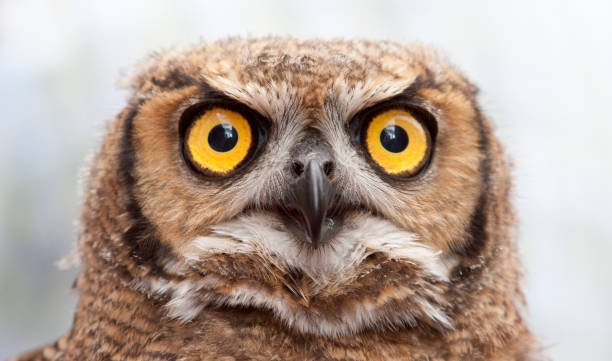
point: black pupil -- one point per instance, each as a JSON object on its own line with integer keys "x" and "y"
{"x": 223, "y": 137}
{"x": 394, "y": 138}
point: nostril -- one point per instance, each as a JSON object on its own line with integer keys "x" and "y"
{"x": 298, "y": 168}
{"x": 328, "y": 168}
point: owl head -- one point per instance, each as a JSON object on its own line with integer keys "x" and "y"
{"x": 338, "y": 186}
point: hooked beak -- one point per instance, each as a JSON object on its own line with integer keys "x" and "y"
{"x": 308, "y": 208}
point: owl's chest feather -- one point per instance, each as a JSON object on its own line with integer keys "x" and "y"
{"x": 115, "y": 323}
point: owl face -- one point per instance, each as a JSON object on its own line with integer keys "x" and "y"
{"x": 334, "y": 184}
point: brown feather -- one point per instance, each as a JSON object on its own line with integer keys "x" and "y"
{"x": 148, "y": 291}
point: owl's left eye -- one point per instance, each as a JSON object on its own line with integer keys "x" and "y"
{"x": 397, "y": 139}
{"x": 219, "y": 141}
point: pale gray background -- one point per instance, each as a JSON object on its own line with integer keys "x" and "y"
{"x": 544, "y": 67}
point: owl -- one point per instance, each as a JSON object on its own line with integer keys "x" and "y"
{"x": 284, "y": 199}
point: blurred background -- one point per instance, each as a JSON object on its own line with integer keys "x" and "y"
{"x": 544, "y": 68}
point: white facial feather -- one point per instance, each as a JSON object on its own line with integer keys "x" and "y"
{"x": 361, "y": 236}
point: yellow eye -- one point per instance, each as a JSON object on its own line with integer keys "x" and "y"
{"x": 218, "y": 141}
{"x": 397, "y": 142}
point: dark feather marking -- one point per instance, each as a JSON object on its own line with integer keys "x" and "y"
{"x": 174, "y": 79}
{"x": 476, "y": 232}
{"x": 142, "y": 235}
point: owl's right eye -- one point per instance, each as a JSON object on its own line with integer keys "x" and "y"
{"x": 219, "y": 141}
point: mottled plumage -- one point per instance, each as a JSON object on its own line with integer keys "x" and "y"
{"x": 182, "y": 265}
